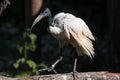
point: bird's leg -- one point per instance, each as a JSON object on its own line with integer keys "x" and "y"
{"x": 74, "y": 67}
{"x": 55, "y": 63}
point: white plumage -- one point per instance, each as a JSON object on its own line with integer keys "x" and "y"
{"x": 68, "y": 29}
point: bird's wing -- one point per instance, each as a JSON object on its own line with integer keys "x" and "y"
{"x": 86, "y": 31}
{"x": 78, "y": 26}
{"x": 66, "y": 31}
{"x": 80, "y": 36}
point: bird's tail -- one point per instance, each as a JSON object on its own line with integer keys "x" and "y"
{"x": 85, "y": 46}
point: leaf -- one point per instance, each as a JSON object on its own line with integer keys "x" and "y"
{"x": 18, "y": 62}
{"x": 16, "y": 65}
{"x": 31, "y": 64}
{"x": 32, "y": 47}
{"x": 43, "y": 65}
{"x": 20, "y": 49}
{"x": 33, "y": 38}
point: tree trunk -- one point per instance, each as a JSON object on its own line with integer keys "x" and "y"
{"x": 68, "y": 76}
{"x": 32, "y": 8}
{"x": 36, "y": 6}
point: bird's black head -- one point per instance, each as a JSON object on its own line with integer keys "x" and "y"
{"x": 45, "y": 13}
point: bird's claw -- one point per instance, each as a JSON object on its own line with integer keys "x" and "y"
{"x": 49, "y": 69}
{"x": 43, "y": 69}
{"x": 52, "y": 69}
{"x": 74, "y": 72}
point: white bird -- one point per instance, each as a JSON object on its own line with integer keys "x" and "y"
{"x": 69, "y": 29}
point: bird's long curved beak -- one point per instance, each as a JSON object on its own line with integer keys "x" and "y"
{"x": 39, "y": 17}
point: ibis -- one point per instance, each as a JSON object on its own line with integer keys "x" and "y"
{"x": 68, "y": 29}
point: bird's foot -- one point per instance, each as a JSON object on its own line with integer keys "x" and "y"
{"x": 53, "y": 66}
{"x": 49, "y": 69}
{"x": 74, "y": 73}
{"x": 52, "y": 69}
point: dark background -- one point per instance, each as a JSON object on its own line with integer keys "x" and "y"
{"x": 102, "y": 17}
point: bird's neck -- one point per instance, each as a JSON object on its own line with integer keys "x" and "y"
{"x": 49, "y": 19}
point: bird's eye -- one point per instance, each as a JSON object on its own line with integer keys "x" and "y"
{"x": 45, "y": 12}
{"x": 56, "y": 21}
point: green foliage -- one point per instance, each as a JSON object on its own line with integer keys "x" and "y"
{"x": 30, "y": 45}
{"x": 18, "y": 62}
{"x": 29, "y": 65}
{"x": 42, "y": 65}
